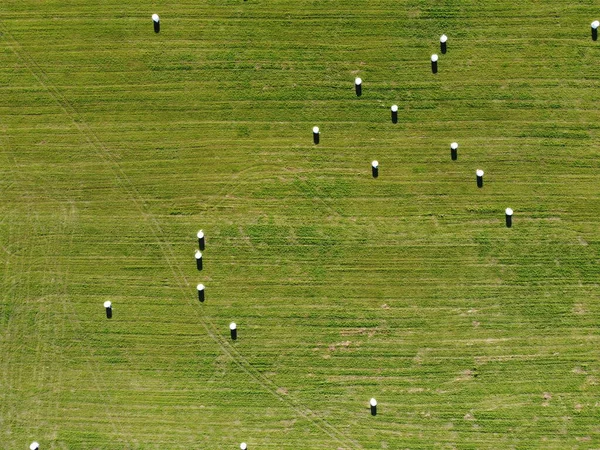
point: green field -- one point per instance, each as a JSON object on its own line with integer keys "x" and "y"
{"x": 118, "y": 144}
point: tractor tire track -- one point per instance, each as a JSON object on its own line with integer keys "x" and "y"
{"x": 124, "y": 183}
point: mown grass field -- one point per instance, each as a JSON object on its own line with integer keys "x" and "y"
{"x": 118, "y": 144}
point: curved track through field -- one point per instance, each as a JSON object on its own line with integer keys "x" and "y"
{"x": 185, "y": 287}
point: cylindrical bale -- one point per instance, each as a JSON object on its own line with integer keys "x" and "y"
{"x": 233, "y": 330}
{"x": 443, "y": 43}
{"x": 454, "y": 151}
{"x": 198, "y": 259}
{"x": 358, "y": 86}
{"x": 479, "y": 174}
{"x": 595, "y": 25}
{"x": 243, "y": 446}
{"x": 509, "y": 213}
{"x": 156, "y": 22}
{"x": 200, "y": 289}
{"x": 316, "y": 135}
{"x": 394, "y": 110}
{"x": 34, "y": 446}
{"x": 375, "y": 169}
{"x": 201, "y": 240}
{"x": 108, "y": 308}
{"x": 434, "y": 63}
{"x": 373, "y": 404}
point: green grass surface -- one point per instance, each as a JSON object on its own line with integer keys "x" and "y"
{"x": 117, "y": 145}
